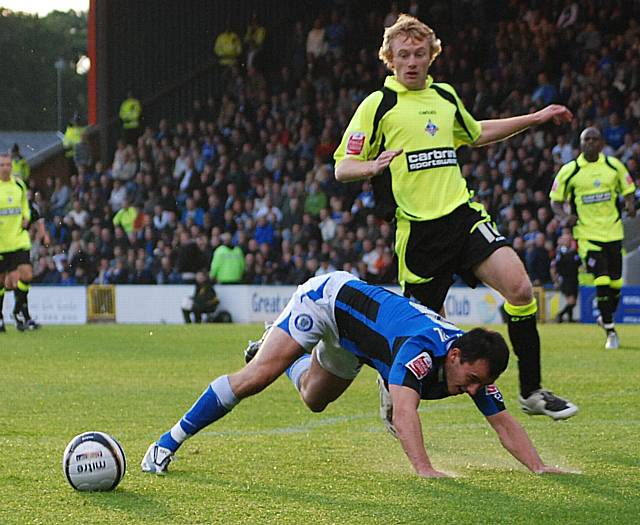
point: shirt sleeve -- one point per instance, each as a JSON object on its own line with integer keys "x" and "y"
{"x": 24, "y": 202}
{"x": 489, "y": 400}
{"x": 626, "y": 185}
{"x": 466, "y": 129}
{"x": 411, "y": 366}
{"x": 357, "y": 140}
{"x": 559, "y": 187}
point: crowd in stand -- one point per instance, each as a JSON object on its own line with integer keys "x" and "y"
{"x": 254, "y": 170}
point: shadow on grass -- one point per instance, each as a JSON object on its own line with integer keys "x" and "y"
{"x": 132, "y": 503}
{"x": 448, "y": 499}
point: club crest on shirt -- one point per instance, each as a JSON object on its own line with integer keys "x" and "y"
{"x": 355, "y": 143}
{"x": 9, "y": 199}
{"x": 303, "y": 322}
{"x": 431, "y": 128}
{"x": 420, "y": 365}
{"x": 597, "y": 183}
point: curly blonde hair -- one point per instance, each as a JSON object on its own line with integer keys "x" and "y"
{"x": 410, "y": 27}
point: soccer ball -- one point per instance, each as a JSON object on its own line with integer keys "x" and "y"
{"x": 94, "y": 461}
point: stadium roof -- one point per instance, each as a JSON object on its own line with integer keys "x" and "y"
{"x": 35, "y": 146}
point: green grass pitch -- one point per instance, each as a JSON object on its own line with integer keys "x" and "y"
{"x": 273, "y": 461}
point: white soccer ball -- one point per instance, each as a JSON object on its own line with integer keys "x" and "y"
{"x": 94, "y": 461}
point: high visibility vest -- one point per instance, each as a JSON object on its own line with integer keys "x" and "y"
{"x": 72, "y": 136}
{"x": 130, "y": 111}
{"x": 20, "y": 168}
{"x": 228, "y": 48}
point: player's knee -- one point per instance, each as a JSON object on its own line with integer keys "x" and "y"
{"x": 11, "y": 282}
{"x": 25, "y": 272}
{"x": 316, "y": 405}
{"x": 519, "y": 292}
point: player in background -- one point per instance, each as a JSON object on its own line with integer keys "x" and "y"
{"x": 591, "y": 185}
{"x": 16, "y": 271}
{"x": 404, "y": 137}
{"x": 331, "y": 326}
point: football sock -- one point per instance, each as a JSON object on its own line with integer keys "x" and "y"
{"x": 614, "y": 291}
{"x": 1, "y": 299}
{"x": 215, "y": 402}
{"x": 523, "y": 332}
{"x": 299, "y": 367}
{"x": 604, "y": 304}
{"x": 22, "y": 302}
{"x": 568, "y": 309}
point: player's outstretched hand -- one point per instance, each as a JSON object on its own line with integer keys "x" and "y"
{"x": 559, "y": 114}
{"x": 384, "y": 159}
{"x": 433, "y": 473}
{"x": 547, "y": 469}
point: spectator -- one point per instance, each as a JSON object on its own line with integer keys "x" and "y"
{"x": 545, "y": 93}
{"x": 568, "y": 15}
{"x": 562, "y": 152}
{"x": 615, "y": 132}
{"x": 72, "y": 137}
{"x": 82, "y": 153}
{"x": 60, "y": 197}
{"x": 141, "y": 274}
{"x": 537, "y": 261}
{"x": 316, "y": 44}
{"x": 192, "y": 213}
{"x": 228, "y": 48}
{"x": 19, "y": 165}
{"x": 227, "y": 265}
{"x": 130, "y": 114}
{"x": 77, "y": 216}
{"x": 335, "y": 34}
{"x": 315, "y": 200}
{"x": 265, "y": 233}
{"x": 126, "y": 216}
{"x": 254, "y": 39}
{"x": 167, "y": 274}
{"x": 392, "y": 16}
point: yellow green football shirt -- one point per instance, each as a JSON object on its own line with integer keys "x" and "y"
{"x": 429, "y": 125}
{"x": 14, "y": 208}
{"x": 592, "y": 189}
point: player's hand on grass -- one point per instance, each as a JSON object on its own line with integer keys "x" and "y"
{"x": 384, "y": 159}
{"x": 432, "y": 473}
{"x": 559, "y": 114}
{"x": 548, "y": 469}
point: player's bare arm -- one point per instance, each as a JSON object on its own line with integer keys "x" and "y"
{"x": 515, "y": 439}
{"x": 501, "y": 129}
{"x": 560, "y": 212}
{"x": 351, "y": 169}
{"x": 409, "y": 430}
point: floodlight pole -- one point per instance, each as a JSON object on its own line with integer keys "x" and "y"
{"x": 59, "y": 64}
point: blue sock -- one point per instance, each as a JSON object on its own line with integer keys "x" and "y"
{"x": 215, "y": 402}
{"x": 299, "y": 367}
